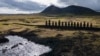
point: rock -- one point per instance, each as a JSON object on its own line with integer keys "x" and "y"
{"x": 14, "y": 46}
{"x": 3, "y": 40}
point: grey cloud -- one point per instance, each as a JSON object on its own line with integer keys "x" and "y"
{"x": 33, "y": 6}
{"x": 93, "y": 4}
{"x": 25, "y": 6}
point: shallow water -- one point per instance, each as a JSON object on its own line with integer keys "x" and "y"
{"x": 18, "y": 46}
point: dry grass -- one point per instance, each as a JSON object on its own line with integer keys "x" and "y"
{"x": 18, "y": 23}
{"x": 21, "y": 22}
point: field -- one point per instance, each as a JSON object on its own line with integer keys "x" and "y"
{"x": 22, "y": 22}
{"x": 19, "y": 23}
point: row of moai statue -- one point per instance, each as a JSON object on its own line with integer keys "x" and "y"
{"x": 68, "y": 24}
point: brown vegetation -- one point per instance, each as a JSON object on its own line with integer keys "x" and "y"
{"x": 63, "y": 42}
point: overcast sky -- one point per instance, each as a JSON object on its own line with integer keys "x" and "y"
{"x": 35, "y": 6}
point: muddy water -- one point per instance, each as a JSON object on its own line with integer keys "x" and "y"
{"x": 18, "y": 46}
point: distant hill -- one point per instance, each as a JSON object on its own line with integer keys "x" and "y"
{"x": 52, "y": 10}
{"x": 73, "y": 9}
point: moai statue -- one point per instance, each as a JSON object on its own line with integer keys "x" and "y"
{"x": 59, "y": 23}
{"x": 46, "y": 23}
{"x": 78, "y": 24}
{"x": 81, "y": 25}
{"x": 84, "y": 24}
{"x": 55, "y": 24}
{"x": 69, "y": 24}
{"x": 66, "y": 24}
{"x": 62, "y": 24}
{"x": 87, "y": 26}
{"x": 91, "y": 25}
{"x": 74, "y": 25}
{"x": 49, "y": 23}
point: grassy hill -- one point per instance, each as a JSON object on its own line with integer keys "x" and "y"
{"x": 72, "y": 10}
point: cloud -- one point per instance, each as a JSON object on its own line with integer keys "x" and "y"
{"x": 33, "y": 6}
{"x": 5, "y": 10}
{"x": 46, "y": 2}
{"x": 93, "y": 4}
{"x": 18, "y": 5}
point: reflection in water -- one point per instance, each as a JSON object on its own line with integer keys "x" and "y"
{"x": 17, "y": 46}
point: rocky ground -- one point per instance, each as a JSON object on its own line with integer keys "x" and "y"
{"x": 18, "y": 46}
{"x": 2, "y": 39}
{"x": 81, "y": 44}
